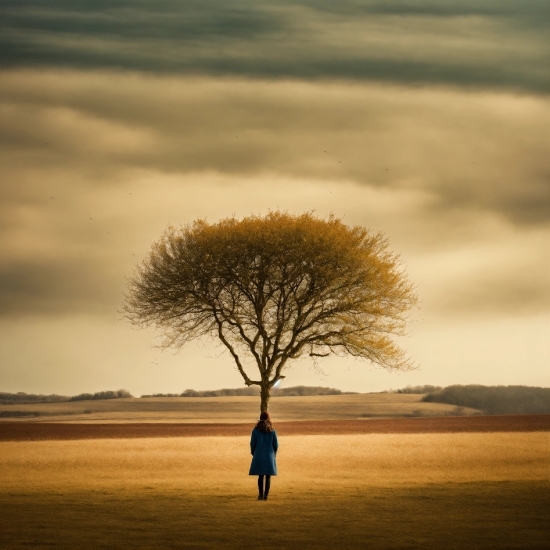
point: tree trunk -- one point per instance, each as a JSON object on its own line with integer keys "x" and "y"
{"x": 264, "y": 393}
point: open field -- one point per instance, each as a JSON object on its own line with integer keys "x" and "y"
{"x": 468, "y": 490}
{"x": 36, "y": 431}
{"x": 233, "y": 409}
{"x": 503, "y": 515}
{"x": 333, "y": 463}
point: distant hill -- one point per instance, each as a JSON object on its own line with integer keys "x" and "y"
{"x": 25, "y": 398}
{"x": 225, "y": 392}
{"x": 495, "y": 399}
{"x": 253, "y": 390}
{"x": 489, "y": 399}
{"x": 21, "y": 398}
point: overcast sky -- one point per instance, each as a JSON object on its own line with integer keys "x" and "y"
{"x": 426, "y": 120}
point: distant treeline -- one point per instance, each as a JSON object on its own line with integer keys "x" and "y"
{"x": 101, "y": 395}
{"x": 306, "y": 390}
{"x": 254, "y": 391}
{"x": 426, "y": 388}
{"x": 494, "y": 399}
{"x": 21, "y": 398}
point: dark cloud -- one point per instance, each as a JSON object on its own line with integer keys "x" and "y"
{"x": 532, "y": 9}
{"x": 54, "y": 286}
{"x": 136, "y": 19}
{"x": 474, "y": 43}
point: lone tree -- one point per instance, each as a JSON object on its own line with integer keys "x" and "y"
{"x": 275, "y": 288}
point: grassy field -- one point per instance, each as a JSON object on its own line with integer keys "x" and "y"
{"x": 234, "y": 409}
{"x": 345, "y": 491}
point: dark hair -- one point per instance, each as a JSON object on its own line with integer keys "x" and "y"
{"x": 264, "y": 424}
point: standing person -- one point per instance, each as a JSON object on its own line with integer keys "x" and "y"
{"x": 263, "y": 446}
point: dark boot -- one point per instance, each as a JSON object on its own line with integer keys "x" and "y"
{"x": 261, "y": 487}
{"x": 267, "y": 486}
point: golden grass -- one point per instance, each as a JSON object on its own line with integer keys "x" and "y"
{"x": 305, "y": 462}
{"x": 235, "y": 409}
{"x": 357, "y": 491}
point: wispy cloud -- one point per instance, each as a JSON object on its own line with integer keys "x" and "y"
{"x": 477, "y": 151}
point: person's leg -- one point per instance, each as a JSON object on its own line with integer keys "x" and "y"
{"x": 267, "y": 486}
{"x": 261, "y": 487}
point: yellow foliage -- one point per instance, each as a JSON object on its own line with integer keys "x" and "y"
{"x": 277, "y": 287}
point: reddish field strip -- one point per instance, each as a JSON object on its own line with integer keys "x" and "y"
{"x": 34, "y": 431}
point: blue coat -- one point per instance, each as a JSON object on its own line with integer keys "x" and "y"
{"x": 263, "y": 447}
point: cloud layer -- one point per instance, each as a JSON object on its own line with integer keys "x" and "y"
{"x": 484, "y": 151}
{"x": 97, "y": 163}
{"x": 427, "y": 120}
{"x": 480, "y": 43}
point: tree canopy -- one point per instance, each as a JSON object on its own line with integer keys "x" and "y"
{"x": 275, "y": 288}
